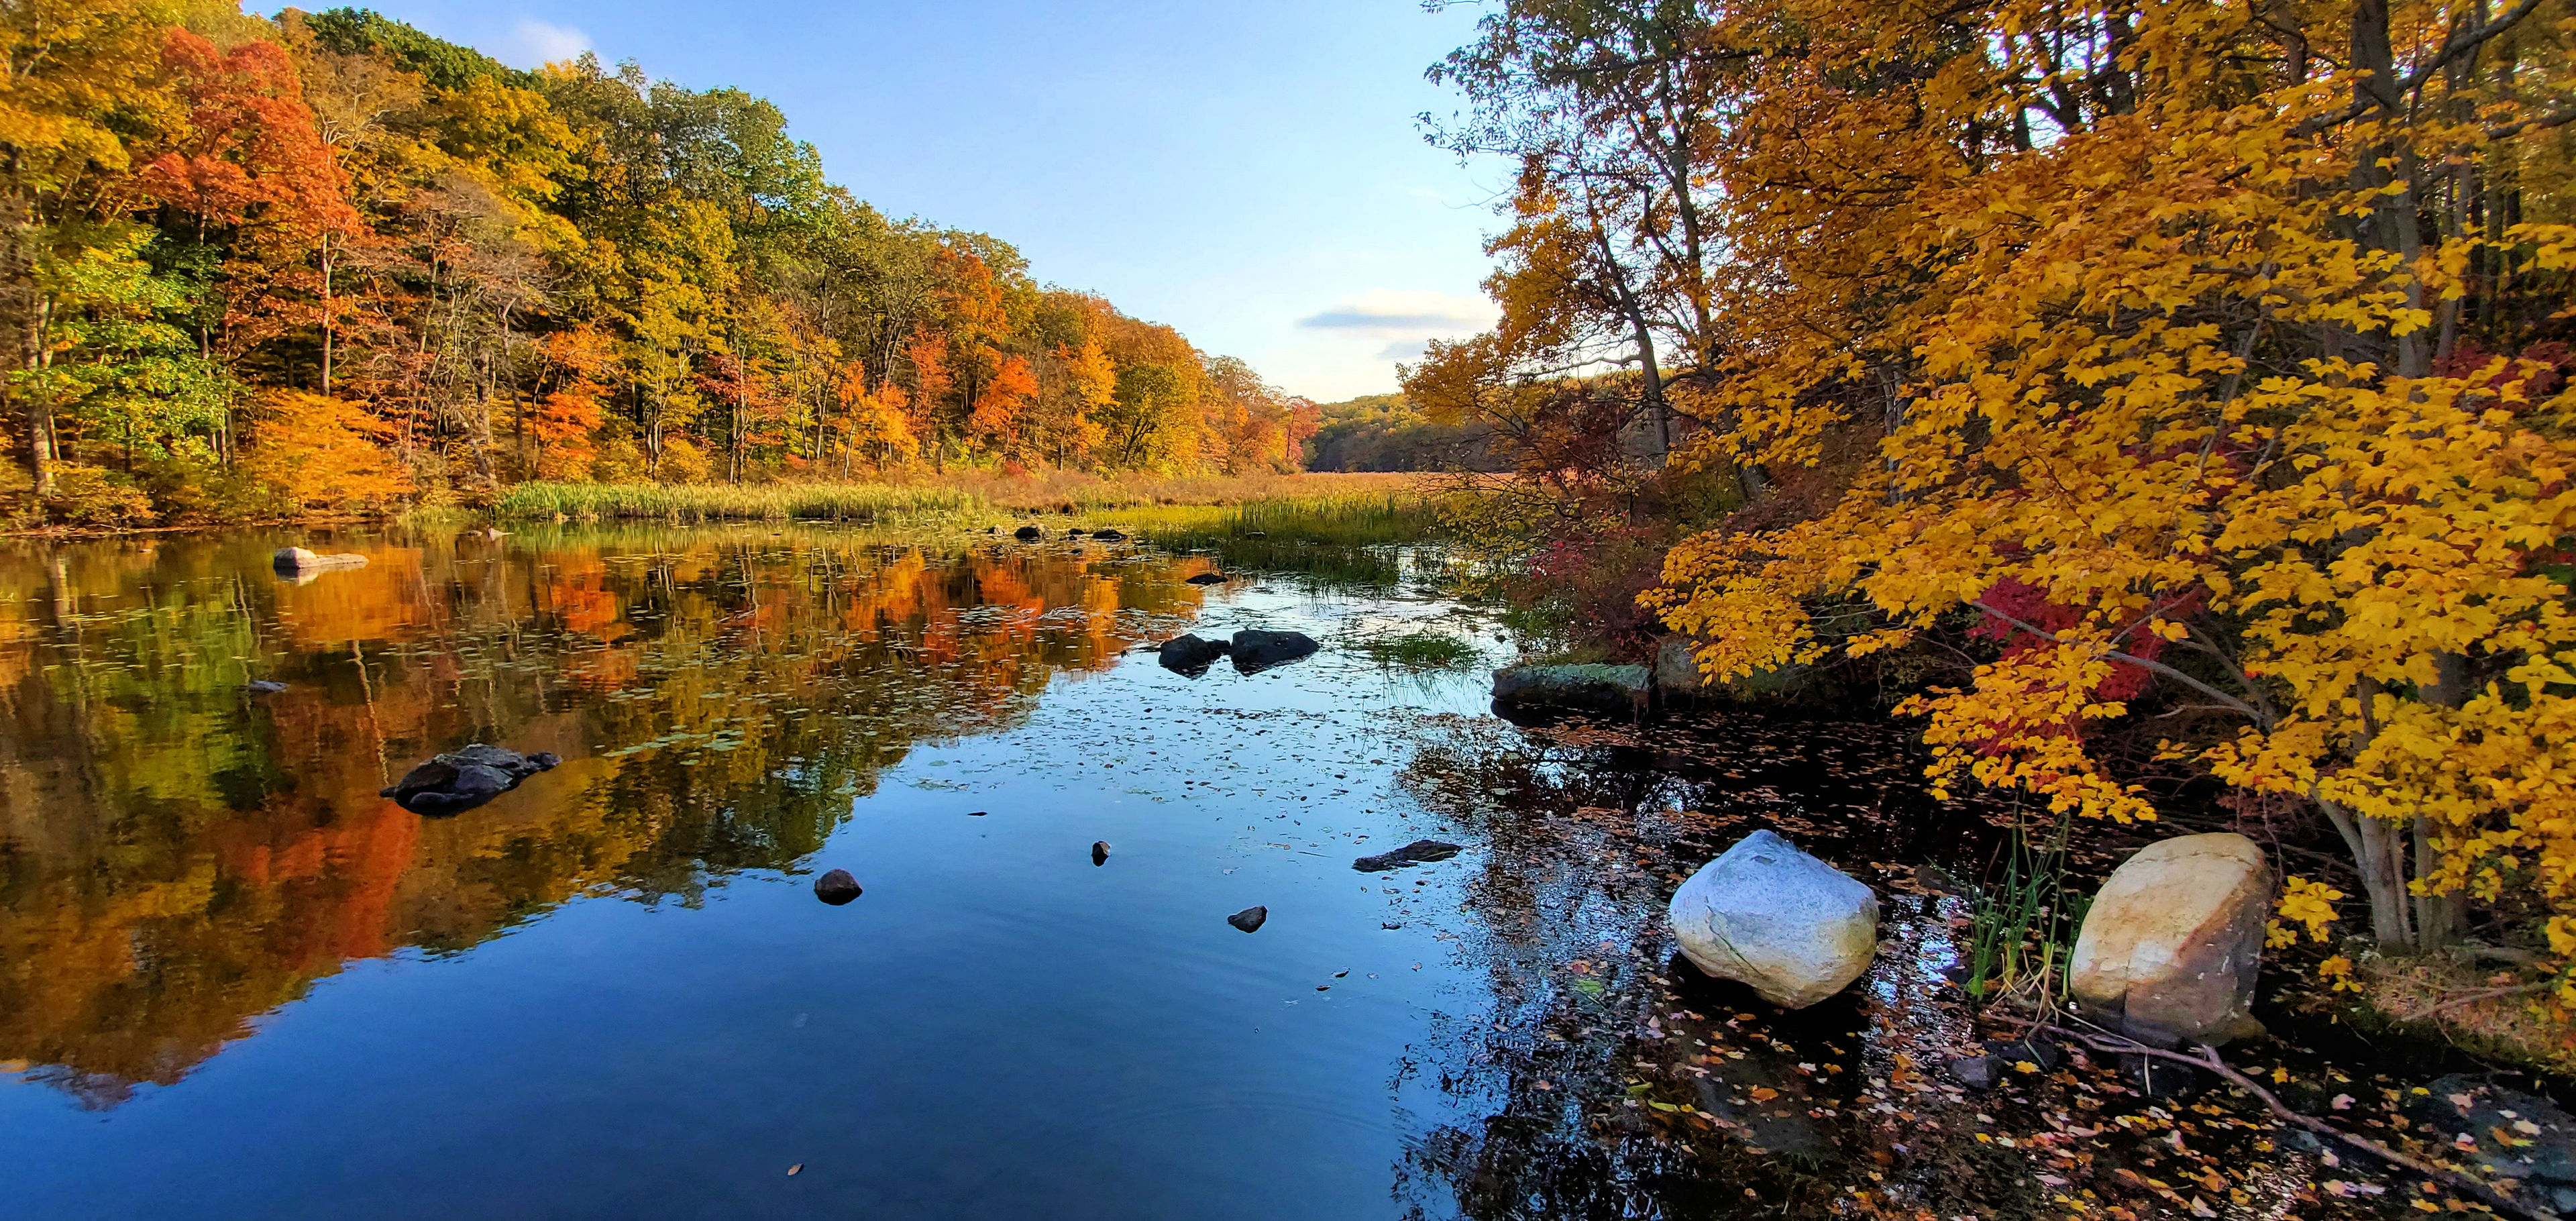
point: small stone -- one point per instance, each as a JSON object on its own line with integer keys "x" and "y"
{"x": 1028, "y": 534}
{"x": 1255, "y": 650}
{"x": 2015, "y": 1051}
{"x": 836, "y": 887}
{"x": 1100, "y": 852}
{"x": 1109, "y": 536}
{"x": 262, "y": 686}
{"x": 1249, "y": 919}
{"x": 1209, "y": 578}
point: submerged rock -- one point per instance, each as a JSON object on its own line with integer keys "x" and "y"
{"x": 2170, "y": 948}
{"x": 1100, "y": 852}
{"x": 1028, "y": 534}
{"x": 2541, "y": 1152}
{"x": 297, "y": 559}
{"x": 1191, "y": 655}
{"x": 1209, "y": 578}
{"x": 1420, "y": 851}
{"x": 1766, "y": 914}
{"x": 460, "y": 780}
{"x": 1259, "y": 650}
{"x": 1977, "y": 1072}
{"x": 1249, "y": 919}
{"x": 1110, "y": 536}
{"x": 836, "y": 887}
{"x": 1618, "y": 690}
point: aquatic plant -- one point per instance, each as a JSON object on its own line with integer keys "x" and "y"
{"x": 1419, "y": 650}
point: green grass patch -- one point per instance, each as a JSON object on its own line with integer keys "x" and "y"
{"x": 1420, "y": 651}
{"x": 737, "y": 502}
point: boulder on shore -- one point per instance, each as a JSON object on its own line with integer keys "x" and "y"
{"x": 1191, "y": 655}
{"x": 460, "y": 780}
{"x": 1254, "y": 649}
{"x": 1110, "y": 536}
{"x": 1626, "y": 691}
{"x": 2170, "y": 948}
{"x": 1028, "y": 534}
{"x": 1766, "y": 914}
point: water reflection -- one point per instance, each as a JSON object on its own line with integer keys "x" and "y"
{"x": 180, "y": 852}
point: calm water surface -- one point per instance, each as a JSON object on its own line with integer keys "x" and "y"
{"x": 235, "y": 982}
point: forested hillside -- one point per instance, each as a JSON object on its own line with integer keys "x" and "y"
{"x": 1383, "y": 432}
{"x": 326, "y": 262}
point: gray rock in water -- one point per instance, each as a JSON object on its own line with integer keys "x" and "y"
{"x": 2171, "y": 946}
{"x": 1191, "y": 655}
{"x": 1249, "y": 919}
{"x": 297, "y": 559}
{"x": 1791, "y": 927}
{"x": 836, "y": 887}
{"x": 1626, "y": 691}
{"x": 1209, "y": 578}
{"x": 1419, "y": 852}
{"x": 262, "y": 686}
{"x": 2543, "y": 1159}
{"x": 1259, "y": 650}
{"x": 1028, "y": 534}
{"x": 1110, "y": 536}
{"x": 460, "y": 780}
{"x": 1977, "y": 1072}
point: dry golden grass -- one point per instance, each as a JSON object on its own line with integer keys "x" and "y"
{"x": 2498, "y": 1014}
{"x": 910, "y": 495}
{"x": 1080, "y": 492}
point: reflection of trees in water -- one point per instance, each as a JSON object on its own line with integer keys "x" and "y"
{"x": 1590, "y": 1076}
{"x": 177, "y": 855}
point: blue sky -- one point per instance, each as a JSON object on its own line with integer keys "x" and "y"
{"x": 1251, "y": 173}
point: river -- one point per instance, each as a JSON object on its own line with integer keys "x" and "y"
{"x": 236, "y": 982}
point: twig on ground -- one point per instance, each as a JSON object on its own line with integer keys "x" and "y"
{"x": 2483, "y": 995}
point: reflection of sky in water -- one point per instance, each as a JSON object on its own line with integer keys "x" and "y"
{"x": 236, "y": 983}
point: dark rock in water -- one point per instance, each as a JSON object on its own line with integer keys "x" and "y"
{"x": 1259, "y": 650}
{"x": 2542, "y": 1155}
{"x": 262, "y": 686}
{"x": 1210, "y": 578}
{"x": 1028, "y": 534}
{"x": 1249, "y": 919}
{"x": 1256, "y": 534}
{"x": 1977, "y": 1072}
{"x": 836, "y": 887}
{"x": 1074, "y": 532}
{"x": 460, "y": 780}
{"x": 1191, "y": 655}
{"x": 992, "y": 529}
{"x": 2017, "y": 1051}
{"x": 1100, "y": 852}
{"x": 1420, "y": 851}
{"x": 1109, "y": 536}
{"x": 1618, "y": 690}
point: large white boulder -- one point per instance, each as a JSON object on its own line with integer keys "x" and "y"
{"x": 1792, "y": 927}
{"x": 2171, "y": 946}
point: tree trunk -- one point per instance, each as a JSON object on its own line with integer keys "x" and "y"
{"x": 22, "y": 329}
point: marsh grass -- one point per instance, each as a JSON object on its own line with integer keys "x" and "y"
{"x": 1419, "y": 651}
{"x": 959, "y": 492}
{"x": 857, "y": 502}
{"x": 1348, "y": 540}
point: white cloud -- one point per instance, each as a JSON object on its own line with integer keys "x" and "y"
{"x": 532, "y": 43}
{"x": 1396, "y": 314}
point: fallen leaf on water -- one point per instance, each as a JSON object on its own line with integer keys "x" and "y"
{"x": 1763, "y": 1093}
{"x": 798, "y": 1166}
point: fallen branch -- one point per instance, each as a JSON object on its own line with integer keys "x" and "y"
{"x": 2208, "y": 1058}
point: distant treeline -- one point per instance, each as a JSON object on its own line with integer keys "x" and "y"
{"x": 1382, "y": 432}
{"x": 325, "y": 261}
